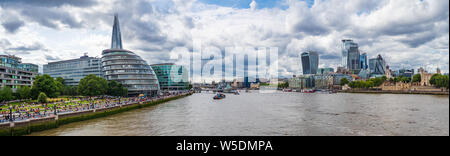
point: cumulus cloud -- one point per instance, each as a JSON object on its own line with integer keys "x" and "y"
{"x": 12, "y": 26}
{"x": 410, "y": 33}
{"x": 253, "y": 5}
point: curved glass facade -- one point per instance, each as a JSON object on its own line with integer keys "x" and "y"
{"x": 171, "y": 76}
{"x": 131, "y": 70}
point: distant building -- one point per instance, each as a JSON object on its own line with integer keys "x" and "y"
{"x": 325, "y": 71}
{"x": 310, "y": 62}
{"x": 171, "y": 76}
{"x": 351, "y": 59}
{"x": 302, "y": 82}
{"x": 72, "y": 71}
{"x": 425, "y": 77}
{"x": 406, "y": 73}
{"x": 323, "y": 81}
{"x": 14, "y": 73}
{"x": 338, "y": 77}
{"x": 363, "y": 61}
{"x": 377, "y": 66}
{"x": 388, "y": 73}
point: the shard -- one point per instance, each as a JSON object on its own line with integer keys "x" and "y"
{"x": 116, "y": 42}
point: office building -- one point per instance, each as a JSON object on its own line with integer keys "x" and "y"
{"x": 377, "y": 66}
{"x": 171, "y": 76}
{"x": 72, "y": 71}
{"x": 351, "y": 59}
{"x": 363, "y": 60}
{"x": 310, "y": 62}
{"x": 325, "y": 71}
{"x": 14, "y": 73}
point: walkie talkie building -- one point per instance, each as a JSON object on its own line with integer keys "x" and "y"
{"x": 127, "y": 68}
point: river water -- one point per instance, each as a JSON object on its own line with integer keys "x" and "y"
{"x": 276, "y": 114}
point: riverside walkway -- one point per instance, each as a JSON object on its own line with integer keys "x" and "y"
{"x": 23, "y": 112}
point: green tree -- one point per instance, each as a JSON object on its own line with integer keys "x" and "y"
{"x": 344, "y": 81}
{"x": 116, "y": 89}
{"x": 42, "y": 98}
{"x": 440, "y": 81}
{"x": 45, "y": 84}
{"x": 59, "y": 88}
{"x": 6, "y": 94}
{"x": 435, "y": 78}
{"x": 24, "y": 92}
{"x": 283, "y": 85}
{"x": 417, "y": 78}
{"x": 60, "y": 80}
{"x": 92, "y": 85}
{"x": 189, "y": 86}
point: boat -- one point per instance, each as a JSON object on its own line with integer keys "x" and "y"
{"x": 219, "y": 96}
{"x": 308, "y": 91}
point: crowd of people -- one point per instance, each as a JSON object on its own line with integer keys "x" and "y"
{"x": 27, "y": 111}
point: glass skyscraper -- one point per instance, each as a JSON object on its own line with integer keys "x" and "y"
{"x": 363, "y": 61}
{"x": 14, "y": 73}
{"x": 171, "y": 76}
{"x": 72, "y": 71}
{"x": 310, "y": 62}
{"x": 351, "y": 59}
{"x": 128, "y": 68}
{"x": 377, "y": 66}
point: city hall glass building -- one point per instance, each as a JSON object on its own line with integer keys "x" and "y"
{"x": 14, "y": 73}
{"x": 310, "y": 62}
{"x": 72, "y": 71}
{"x": 128, "y": 68}
{"x": 171, "y": 76}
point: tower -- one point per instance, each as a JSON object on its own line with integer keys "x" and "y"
{"x": 116, "y": 42}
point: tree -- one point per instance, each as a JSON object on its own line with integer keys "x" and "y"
{"x": 116, "y": 89}
{"x": 344, "y": 81}
{"x": 283, "y": 85}
{"x": 417, "y": 78}
{"x": 59, "y": 88}
{"x": 440, "y": 81}
{"x": 6, "y": 94}
{"x": 189, "y": 86}
{"x": 92, "y": 85}
{"x": 60, "y": 80}
{"x": 42, "y": 98}
{"x": 434, "y": 79}
{"x": 70, "y": 90}
{"x": 24, "y": 92}
{"x": 45, "y": 84}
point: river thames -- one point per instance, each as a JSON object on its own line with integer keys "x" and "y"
{"x": 276, "y": 114}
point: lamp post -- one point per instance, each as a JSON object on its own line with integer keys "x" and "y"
{"x": 54, "y": 109}
{"x": 10, "y": 114}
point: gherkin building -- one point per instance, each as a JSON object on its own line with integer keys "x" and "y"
{"x": 126, "y": 67}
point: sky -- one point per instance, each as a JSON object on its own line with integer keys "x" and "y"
{"x": 407, "y": 33}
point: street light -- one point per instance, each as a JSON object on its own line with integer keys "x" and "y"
{"x": 54, "y": 109}
{"x": 10, "y": 114}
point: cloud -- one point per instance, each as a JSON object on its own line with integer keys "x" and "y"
{"x": 12, "y": 26}
{"x": 52, "y": 58}
{"x": 409, "y": 33}
{"x": 50, "y": 3}
{"x": 253, "y": 5}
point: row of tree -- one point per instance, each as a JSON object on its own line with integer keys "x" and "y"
{"x": 440, "y": 81}
{"x": 46, "y": 86}
{"x": 373, "y": 82}
{"x": 437, "y": 80}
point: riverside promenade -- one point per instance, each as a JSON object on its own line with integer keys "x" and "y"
{"x": 53, "y": 120}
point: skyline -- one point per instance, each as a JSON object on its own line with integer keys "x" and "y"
{"x": 67, "y": 29}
